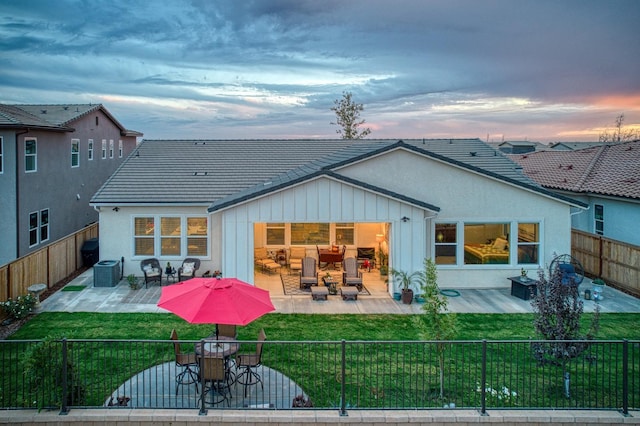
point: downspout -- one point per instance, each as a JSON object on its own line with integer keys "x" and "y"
{"x": 18, "y": 195}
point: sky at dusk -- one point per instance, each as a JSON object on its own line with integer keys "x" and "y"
{"x": 539, "y": 70}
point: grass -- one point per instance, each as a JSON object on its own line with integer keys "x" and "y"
{"x": 377, "y": 373}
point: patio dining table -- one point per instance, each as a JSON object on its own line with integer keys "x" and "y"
{"x": 329, "y": 256}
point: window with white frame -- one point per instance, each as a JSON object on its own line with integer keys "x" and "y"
{"x": 486, "y": 243}
{"x": 446, "y": 243}
{"x": 177, "y": 236}
{"x": 30, "y": 155}
{"x": 310, "y": 233}
{"x": 275, "y": 233}
{"x": 90, "y": 150}
{"x": 598, "y": 219}
{"x": 104, "y": 149}
{"x": 110, "y": 148}
{"x": 38, "y": 227}
{"x": 44, "y": 225}
{"x": 120, "y": 149}
{"x": 528, "y": 243}
{"x": 75, "y": 152}
{"x": 345, "y": 234}
{"x": 1, "y": 155}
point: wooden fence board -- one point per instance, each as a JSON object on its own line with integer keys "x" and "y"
{"x": 4, "y": 283}
{"x": 28, "y": 270}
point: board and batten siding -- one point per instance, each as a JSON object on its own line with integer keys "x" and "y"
{"x": 322, "y": 200}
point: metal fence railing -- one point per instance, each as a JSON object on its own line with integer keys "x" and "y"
{"x": 343, "y": 375}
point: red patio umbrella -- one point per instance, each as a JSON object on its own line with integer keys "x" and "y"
{"x": 216, "y": 301}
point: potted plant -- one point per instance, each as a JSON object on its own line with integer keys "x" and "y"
{"x": 406, "y": 281}
{"x": 133, "y": 281}
{"x": 384, "y": 268}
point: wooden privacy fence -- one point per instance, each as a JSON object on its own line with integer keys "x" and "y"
{"x": 48, "y": 265}
{"x": 617, "y": 263}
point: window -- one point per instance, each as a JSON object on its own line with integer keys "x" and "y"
{"x": 120, "y": 149}
{"x": 275, "y": 233}
{"x": 97, "y": 121}
{"x": 486, "y": 243}
{"x": 446, "y": 243}
{"x": 344, "y": 234}
{"x": 143, "y": 236}
{"x": 177, "y": 236}
{"x": 30, "y": 155}
{"x": 44, "y": 225}
{"x": 1, "y": 156}
{"x": 33, "y": 229}
{"x": 309, "y": 233}
{"x": 170, "y": 236}
{"x": 528, "y": 243}
{"x": 110, "y": 148}
{"x": 104, "y": 149}
{"x": 38, "y": 227}
{"x": 90, "y": 149}
{"x": 197, "y": 231}
{"x": 75, "y": 152}
{"x": 598, "y": 217}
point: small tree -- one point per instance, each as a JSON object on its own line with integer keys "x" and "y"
{"x": 436, "y": 322}
{"x": 348, "y": 118}
{"x": 557, "y": 310}
{"x": 619, "y": 133}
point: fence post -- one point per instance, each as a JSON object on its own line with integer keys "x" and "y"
{"x": 625, "y": 378}
{"x": 343, "y": 374}
{"x": 483, "y": 384}
{"x": 203, "y": 410}
{"x": 64, "y": 410}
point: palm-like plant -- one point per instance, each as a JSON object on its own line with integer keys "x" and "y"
{"x": 407, "y": 281}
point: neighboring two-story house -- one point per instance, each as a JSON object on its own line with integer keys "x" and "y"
{"x": 606, "y": 177}
{"x": 53, "y": 158}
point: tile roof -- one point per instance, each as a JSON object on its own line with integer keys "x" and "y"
{"x": 606, "y": 169}
{"x": 53, "y": 116}
{"x": 202, "y": 172}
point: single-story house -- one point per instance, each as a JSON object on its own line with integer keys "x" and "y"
{"x": 606, "y": 177}
{"x": 458, "y": 201}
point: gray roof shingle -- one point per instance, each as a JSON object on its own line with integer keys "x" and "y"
{"x": 221, "y": 172}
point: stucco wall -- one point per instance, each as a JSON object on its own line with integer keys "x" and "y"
{"x": 8, "y": 198}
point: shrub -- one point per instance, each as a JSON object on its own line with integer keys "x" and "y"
{"x": 19, "y": 308}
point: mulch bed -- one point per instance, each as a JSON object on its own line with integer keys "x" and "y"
{"x": 9, "y": 329}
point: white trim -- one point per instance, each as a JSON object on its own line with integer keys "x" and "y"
{"x": 75, "y": 154}
{"x": 35, "y": 155}
{"x": 157, "y": 237}
{"x": 90, "y": 147}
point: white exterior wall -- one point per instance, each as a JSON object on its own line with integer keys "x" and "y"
{"x": 466, "y": 196}
{"x": 116, "y": 236}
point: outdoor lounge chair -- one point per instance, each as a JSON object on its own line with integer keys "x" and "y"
{"x": 568, "y": 268}
{"x": 351, "y": 276}
{"x": 247, "y": 362}
{"x": 308, "y": 274}
{"x": 185, "y": 361}
{"x": 263, "y": 260}
{"x": 152, "y": 271}
{"x": 215, "y": 380}
{"x": 188, "y": 269}
{"x": 296, "y": 254}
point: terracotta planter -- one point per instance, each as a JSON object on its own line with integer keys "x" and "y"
{"x": 407, "y": 296}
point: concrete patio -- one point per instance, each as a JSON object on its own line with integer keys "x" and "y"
{"x": 495, "y": 300}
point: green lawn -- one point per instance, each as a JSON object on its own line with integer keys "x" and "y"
{"x": 296, "y": 327}
{"x": 380, "y": 374}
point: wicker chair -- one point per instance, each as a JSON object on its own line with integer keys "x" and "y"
{"x": 188, "y": 269}
{"x": 296, "y": 254}
{"x": 152, "y": 271}
{"x": 215, "y": 380}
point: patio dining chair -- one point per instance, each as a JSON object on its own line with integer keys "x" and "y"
{"x": 247, "y": 362}
{"x": 152, "y": 271}
{"x": 188, "y": 269}
{"x": 186, "y": 362}
{"x": 214, "y": 377}
{"x": 351, "y": 276}
{"x": 308, "y": 274}
{"x": 226, "y": 331}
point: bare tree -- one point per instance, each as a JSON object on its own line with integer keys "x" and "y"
{"x": 348, "y": 118}
{"x": 618, "y": 133}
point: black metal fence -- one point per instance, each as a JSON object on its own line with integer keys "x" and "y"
{"x": 346, "y": 375}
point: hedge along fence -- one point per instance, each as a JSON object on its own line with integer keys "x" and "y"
{"x": 49, "y": 265}
{"x": 617, "y": 263}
